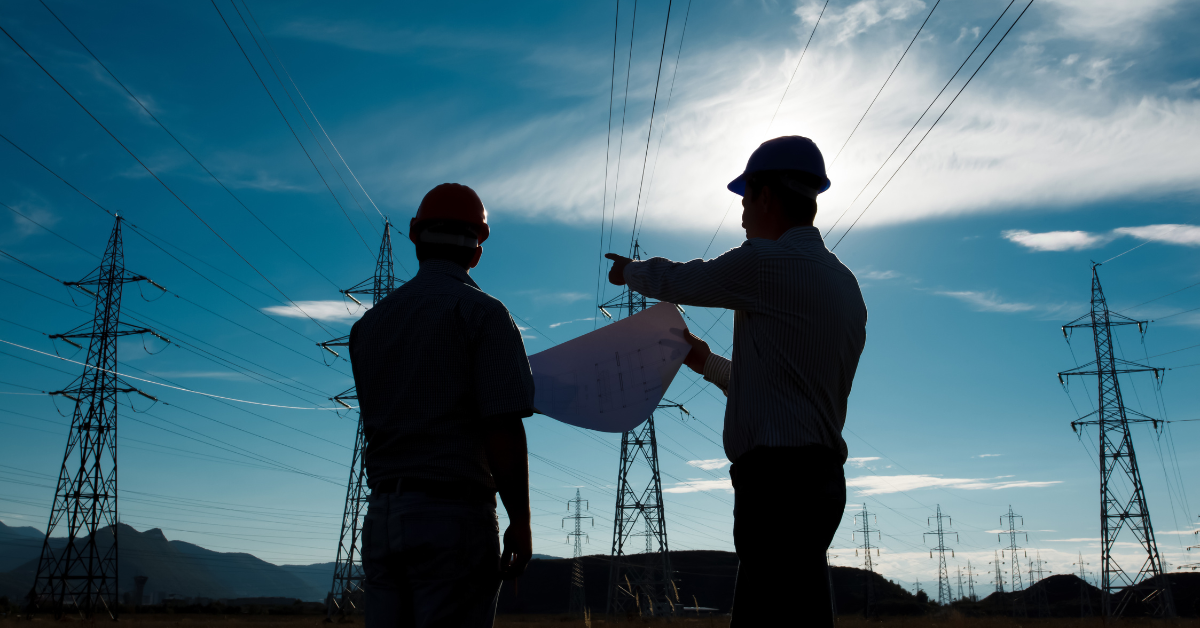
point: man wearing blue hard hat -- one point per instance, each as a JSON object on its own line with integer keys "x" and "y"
{"x": 799, "y": 329}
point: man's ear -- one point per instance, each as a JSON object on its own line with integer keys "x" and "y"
{"x": 476, "y": 256}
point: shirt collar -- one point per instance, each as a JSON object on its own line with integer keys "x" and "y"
{"x": 447, "y": 268}
{"x": 802, "y": 234}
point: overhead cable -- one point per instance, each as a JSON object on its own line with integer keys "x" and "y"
{"x": 185, "y": 148}
{"x": 160, "y": 181}
{"x": 179, "y": 388}
{"x": 931, "y": 127}
{"x": 885, "y": 81}
{"x": 919, "y": 118}
{"x": 607, "y": 155}
{"x": 293, "y": 131}
{"x": 650, "y": 130}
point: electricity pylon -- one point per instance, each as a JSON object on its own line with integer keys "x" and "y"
{"x": 999, "y": 573}
{"x": 348, "y": 571}
{"x": 83, "y": 573}
{"x": 1085, "y": 600}
{"x": 944, "y": 591}
{"x": 971, "y": 583}
{"x": 1036, "y": 572}
{"x": 631, "y": 580}
{"x": 1122, "y": 496}
{"x": 577, "y": 605}
{"x": 961, "y": 595}
{"x": 866, "y": 547}
{"x": 1019, "y": 607}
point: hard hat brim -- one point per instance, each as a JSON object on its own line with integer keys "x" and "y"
{"x": 738, "y": 185}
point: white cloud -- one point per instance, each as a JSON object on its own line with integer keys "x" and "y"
{"x": 1057, "y": 240}
{"x": 884, "y": 484}
{"x": 880, "y": 275}
{"x": 1073, "y": 540}
{"x": 589, "y": 318}
{"x": 709, "y": 465}
{"x": 861, "y": 462}
{"x": 988, "y": 301}
{"x": 543, "y": 297}
{"x": 697, "y": 486}
{"x": 987, "y": 455}
{"x": 332, "y": 311}
{"x": 1186, "y": 235}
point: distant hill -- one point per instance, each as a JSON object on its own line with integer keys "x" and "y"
{"x": 18, "y": 545}
{"x": 183, "y": 569}
{"x": 319, "y": 576}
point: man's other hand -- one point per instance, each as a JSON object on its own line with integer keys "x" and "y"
{"x": 698, "y": 355}
{"x": 518, "y": 549}
{"x": 616, "y": 275}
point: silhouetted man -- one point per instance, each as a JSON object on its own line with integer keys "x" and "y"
{"x": 799, "y": 328}
{"x": 443, "y": 385}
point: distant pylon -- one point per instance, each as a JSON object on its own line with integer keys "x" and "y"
{"x": 1020, "y": 609}
{"x": 83, "y": 572}
{"x": 1122, "y": 496}
{"x": 1085, "y": 600}
{"x": 347, "y": 571}
{"x": 648, "y": 577}
{"x": 944, "y": 591}
{"x": 577, "y": 604}
{"x": 971, "y": 583}
{"x": 999, "y": 573}
{"x": 1036, "y": 572}
{"x": 961, "y": 595}
{"x": 868, "y": 564}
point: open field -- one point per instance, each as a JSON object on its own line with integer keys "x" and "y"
{"x": 523, "y": 621}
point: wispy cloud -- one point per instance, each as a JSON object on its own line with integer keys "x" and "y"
{"x": 589, "y": 318}
{"x": 880, "y": 275}
{"x": 333, "y": 311}
{"x": 544, "y": 297}
{"x": 882, "y": 485}
{"x": 1056, "y": 240}
{"x": 988, "y": 301}
{"x": 709, "y": 465}
{"x": 699, "y": 486}
{"x": 861, "y": 462}
{"x": 987, "y": 456}
{"x": 1183, "y": 235}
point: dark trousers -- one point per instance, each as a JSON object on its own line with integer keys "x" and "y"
{"x": 430, "y": 562}
{"x": 788, "y": 502}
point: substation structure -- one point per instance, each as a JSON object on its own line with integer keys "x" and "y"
{"x": 346, "y": 592}
{"x": 639, "y": 583}
{"x": 1122, "y": 495}
{"x": 80, "y": 572}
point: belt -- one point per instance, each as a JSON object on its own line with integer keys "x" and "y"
{"x": 437, "y": 488}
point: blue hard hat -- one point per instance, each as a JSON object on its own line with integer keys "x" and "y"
{"x": 790, "y": 152}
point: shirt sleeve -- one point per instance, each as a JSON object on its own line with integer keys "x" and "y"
{"x": 717, "y": 370}
{"x": 503, "y": 381}
{"x": 729, "y": 281}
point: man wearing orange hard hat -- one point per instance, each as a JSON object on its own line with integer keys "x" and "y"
{"x": 443, "y": 385}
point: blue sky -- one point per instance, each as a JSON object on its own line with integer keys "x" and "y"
{"x": 1075, "y": 143}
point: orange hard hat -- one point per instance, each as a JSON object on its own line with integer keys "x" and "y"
{"x": 451, "y": 202}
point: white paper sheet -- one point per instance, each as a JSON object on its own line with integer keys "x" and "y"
{"x": 611, "y": 379}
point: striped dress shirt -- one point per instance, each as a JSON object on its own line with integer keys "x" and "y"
{"x": 799, "y": 327}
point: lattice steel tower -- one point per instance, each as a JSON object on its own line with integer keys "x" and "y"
{"x": 348, "y": 571}
{"x": 83, "y": 572}
{"x": 868, "y": 564}
{"x": 1012, "y": 533}
{"x": 971, "y": 583}
{"x": 641, "y": 582}
{"x": 944, "y": 592}
{"x": 577, "y": 605}
{"x": 1122, "y": 496}
{"x": 999, "y": 572}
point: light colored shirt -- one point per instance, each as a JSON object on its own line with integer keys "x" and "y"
{"x": 799, "y": 327}
{"x": 436, "y": 364}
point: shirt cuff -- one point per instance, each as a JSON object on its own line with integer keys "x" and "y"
{"x": 717, "y": 370}
{"x": 633, "y": 272}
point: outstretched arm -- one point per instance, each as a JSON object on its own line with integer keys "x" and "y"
{"x": 508, "y": 457}
{"x": 728, "y": 281}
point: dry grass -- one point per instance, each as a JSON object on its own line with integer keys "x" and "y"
{"x": 529, "y": 621}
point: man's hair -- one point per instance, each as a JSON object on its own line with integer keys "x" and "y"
{"x": 461, "y": 255}
{"x": 796, "y": 206}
